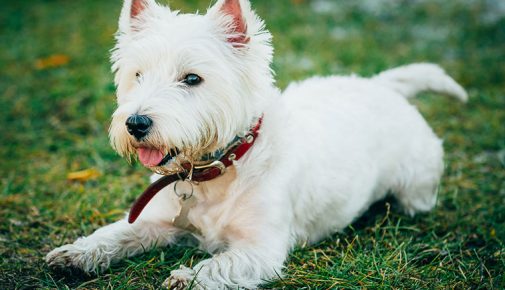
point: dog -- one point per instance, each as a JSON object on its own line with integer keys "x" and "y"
{"x": 246, "y": 170}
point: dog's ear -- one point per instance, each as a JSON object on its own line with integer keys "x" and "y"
{"x": 237, "y": 28}
{"x": 132, "y": 9}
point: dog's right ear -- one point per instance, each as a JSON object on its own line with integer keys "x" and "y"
{"x": 133, "y": 10}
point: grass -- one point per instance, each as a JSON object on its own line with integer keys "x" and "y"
{"x": 55, "y": 114}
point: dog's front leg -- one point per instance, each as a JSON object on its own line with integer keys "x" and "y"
{"x": 245, "y": 264}
{"x": 116, "y": 241}
{"x": 111, "y": 243}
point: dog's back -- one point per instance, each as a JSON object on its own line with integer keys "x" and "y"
{"x": 354, "y": 139}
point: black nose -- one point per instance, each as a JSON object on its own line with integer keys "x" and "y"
{"x": 138, "y": 125}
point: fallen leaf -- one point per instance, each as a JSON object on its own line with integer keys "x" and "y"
{"x": 14, "y": 198}
{"x": 467, "y": 184}
{"x": 83, "y": 175}
{"x": 52, "y": 61}
{"x": 24, "y": 251}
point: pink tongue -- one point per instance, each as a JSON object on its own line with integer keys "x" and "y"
{"x": 149, "y": 157}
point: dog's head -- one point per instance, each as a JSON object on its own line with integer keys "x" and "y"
{"x": 187, "y": 84}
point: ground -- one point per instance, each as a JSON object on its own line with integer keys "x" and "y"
{"x": 57, "y": 95}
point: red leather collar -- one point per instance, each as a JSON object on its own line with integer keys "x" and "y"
{"x": 199, "y": 173}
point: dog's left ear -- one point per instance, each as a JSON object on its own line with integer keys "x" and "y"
{"x": 133, "y": 9}
{"x": 232, "y": 13}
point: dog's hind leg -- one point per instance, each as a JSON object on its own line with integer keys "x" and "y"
{"x": 110, "y": 244}
{"x": 420, "y": 177}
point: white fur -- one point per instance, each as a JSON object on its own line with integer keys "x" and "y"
{"x": 328, "y": 147}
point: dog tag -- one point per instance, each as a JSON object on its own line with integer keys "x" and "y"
{"x": 184, "y": 190}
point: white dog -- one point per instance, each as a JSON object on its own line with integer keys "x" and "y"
{"x": 193, "y": 89}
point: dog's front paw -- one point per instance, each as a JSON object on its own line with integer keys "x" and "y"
{"x": 183, "y": 278}
{"x": 64, "y": 256}
{"x": 73, "y": 256}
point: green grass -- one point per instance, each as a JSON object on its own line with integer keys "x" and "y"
{"x": 55, "y": 120}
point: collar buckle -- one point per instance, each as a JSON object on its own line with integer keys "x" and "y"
{"x": 214, "y": 164}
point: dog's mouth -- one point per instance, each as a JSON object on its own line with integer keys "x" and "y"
{"x": 152, "y": 157}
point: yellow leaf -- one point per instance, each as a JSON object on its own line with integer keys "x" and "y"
{"x": 15, "y": 198}
{"x": 467, "y": 184}
{"x": 52, "y": 61}
{"x": 83, "y": 175}
{"x": 24, "y": 251}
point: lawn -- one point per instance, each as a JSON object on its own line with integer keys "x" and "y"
{"x": 57, "y": 95}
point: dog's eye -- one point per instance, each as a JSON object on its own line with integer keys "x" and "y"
{"x": 138, "y": 75}
{"x": 192, "y": 79}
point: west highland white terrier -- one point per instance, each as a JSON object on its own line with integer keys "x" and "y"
{"x": 245, "y": 169}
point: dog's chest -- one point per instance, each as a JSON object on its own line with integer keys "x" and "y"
{"x": 216, "y": 212}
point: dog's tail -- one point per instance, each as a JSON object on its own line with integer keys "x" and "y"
{"x": 412, "y": 79}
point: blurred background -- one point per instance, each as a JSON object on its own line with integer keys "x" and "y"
{"x": 59, "y": 178}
